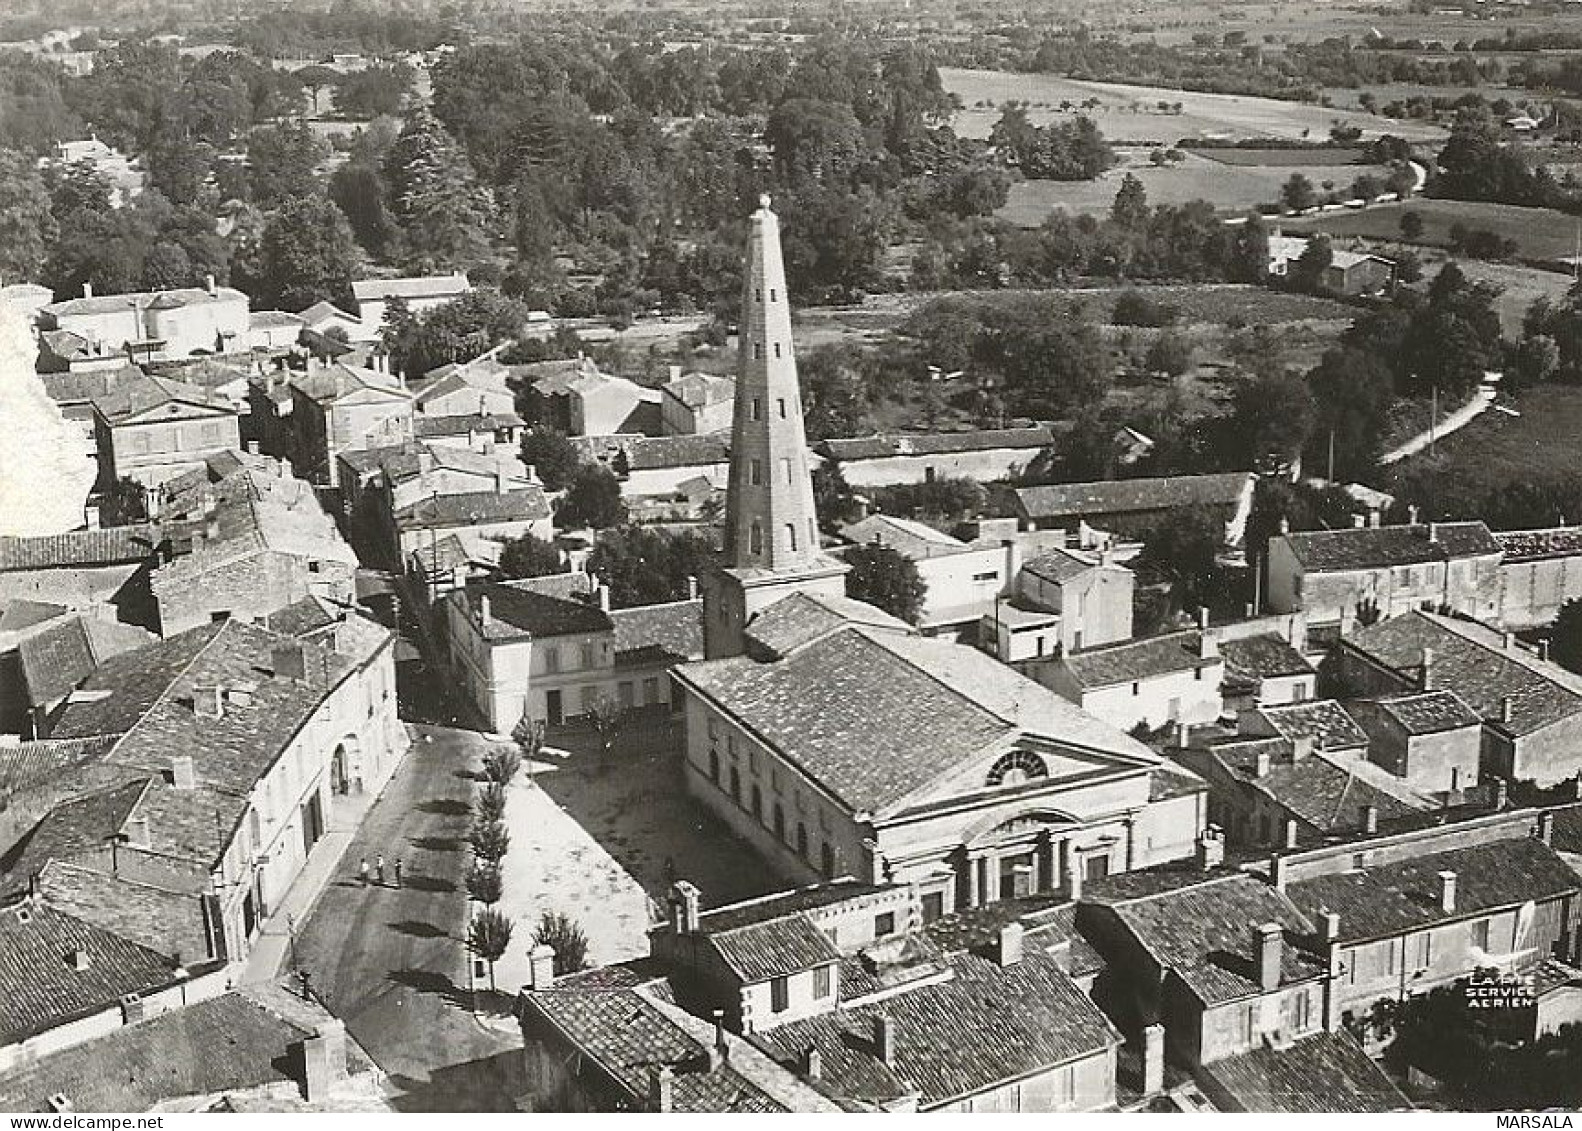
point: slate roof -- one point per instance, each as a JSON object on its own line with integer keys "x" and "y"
{"x": 1388, "y": 899}
{"x": 1121, "y": 496}
{"x": 1132, "y": 660}
{"x": 801, "y": 618}
{"x": 1326, "y": 1073}
{"x": 516, "y": 610}
{"x": 237, "y": 1041}
{"x": 1381, "y": 547}
{"x": 60, "y": 657}
{"x": 25, "y": 764}
{"x": 1535, "y": 545}
{"x": 113, "y": 545}
{"x": 1265, "y": 656}
{"x": 671, "y": 632}
{"x": 1472, "y": 661}
{"x": 40, "y": 988}
{"x": 846, "y": 709}
{"x": 626, "y": 1034}
{"x": 1204, "y": 932}
{"x": 887, "y": 444}
{"x": 1323, "y": 720}
{"x": 474, "y": 508}
{"x": 984, "y": 1025}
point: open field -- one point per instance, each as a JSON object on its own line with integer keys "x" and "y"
{"x": 1243, "y": 157}
{"x": 1230, "y": 187}
{"x": 1519, "y": 286}
{"x": 1540, "y": 233}
{"x": 1130, "y": 113}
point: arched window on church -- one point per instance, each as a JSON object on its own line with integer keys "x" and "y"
{"x": 714, "y": 767}
{"x": 1016, "y": 767}
{"x": 827, "y": 860}
{"x": 791, "y": 534}
{"x": 758, "y": 804}
{"x": 780, "y": 822}
{"x": 801, "y": 840}
{"x": 755, "y": 539}
{"x": 736, "y": 785}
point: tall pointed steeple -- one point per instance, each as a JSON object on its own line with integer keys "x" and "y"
{"x": 770, "y": 522}
{"x": 771, "y": 529}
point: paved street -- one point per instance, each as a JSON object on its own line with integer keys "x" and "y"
{"x": 391, "y": 962}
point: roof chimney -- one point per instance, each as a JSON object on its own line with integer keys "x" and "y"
{"x": 90, "y": 516}
{"x": 1370, "y": 819}
{"x": 78, "y": 960}
{"x": 1433, "y": 533}
{"x": 1268, "y": 941}
{"x": 324, "y": 1060}
{"x": 208, "y": 285}
{"x": 1411, "y": 514}
{"x": 1501, "y": 793}
{"x": 1447, "y": 892}
{"x": 692, "y": 587}
{"x": 685, "y": 907}
{"x": 208, "y": 702}
{"x": 1331, "y": 926}
{"x": 1210, "y": 847}
{"x": 1207, "y": 642}
{"x": 1202, "y": 617}
{"x": 1261, "y": 764}
{"x": 500, "y": 484}
{"x": 1543, "y": 649}
{"x": 1546, "y": 826}
{"x": 1302, "y": 747}
{"x": 87, "y": 289}
{"x": 1285, "y": 525}
{"x": 719, "y": 1051}
{"x": 1358, "y": 521}
{"x": 484, "y": 611}
{"x": 1291, "y": 829}
{"x": 661, "y": 1088}
{"x": 541, "y": 967}
{"x": 1008, "y": 946}
{"x": 1153, "y": 1059}
{"x": 1073, "y": 875}
{"x": 812, "y": 1063}
{"x": 604, "y": 597}
{"x": 1507, "y": 709}
{"x": 1279, "y": 869}
{"x": 1425, "y": 679}
{"x": 1508, "y": 641}
{"x": 884, "y": 1038}
{"x": 1373, "y": 518}
{"x": 182, "y": 774}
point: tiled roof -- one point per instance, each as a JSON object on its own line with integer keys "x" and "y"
{"x": 25, "y": 764}
{"x": 135, "y": 681}
{"x": 1472, "y": 661}
{"x": 135, "y": 397}
{"x": 882, "y": 445}
{"x": 1060, "y": 566}
{"x": 699, "y": 390}
{"x": 847, "y": 709}
{"x": 229, "y": 1043}
{"x": 1429, "y": 712}
{"x": 1120, "y": 496}
{"x": 121, "y": 303}
{"x": 1205, "y": 933}
{"x": 81, "y": 826}
{"x": 1323, "y": 720}
{"x": 1567, "y": 835}
{"x": 113, "y": 545}
{"x": 1379, "y": 547}
{"x": 412, "y": 286}
{"x": 911, "y": 539}
{"x": 648, "y": 633}
{"x": 87, "y": 385}
{"x": 59, "y": 658}
{"x": 1535, "y": 545}
{"x": 1324, "y": 1074}
{"x": 983, "y": 1026}
{"x": 516, "y": 610}
{"x": 1392, "y": 898}
{"x": 166, "y": 922}
{"x": 553, "y": 378}
{"x": 1263, "y": 657}
{"x": 20, "y": 613}
{"x": 627, "y": 1035}
{"x": 1131, "y": 660}
{"x": 474, "y": 508}
{"x": 757, "y": 952}
{"x": 1324, "y": 792}
{"x": 335, "y": 380}
{"x": 657, "y": 453}
{"x": 40, "y": 988}
{"x": 425, "y": 427}
{"x": 801, "y": 618}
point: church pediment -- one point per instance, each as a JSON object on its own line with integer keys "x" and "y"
{"x": 1009, "y": 767}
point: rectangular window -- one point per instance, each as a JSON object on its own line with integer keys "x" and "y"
{"x": 992, "y": 575}
{"x": 785, "y": 470}
{"x": 714, "y": 728}
{"x": 757, "y": 406}
{"x": 780, "y": 994}
{"x": 777, "y": 349}
{"x": 822, "y": 981}
{"x": 781, "y": 402}
{"x": 884, "y": 924}
{"x": 1480, "y": 935}
{"x": 755, "y": 472}
{"x": 933, "y": 906}
{"x": 774, "y": 778}
{"x": 1425, "y": 950}
{"x": 589, "y": 655}
{"x": 1137, "y": 689}
{"x": 551, "y": 658}
{"x": 752, "y": 759}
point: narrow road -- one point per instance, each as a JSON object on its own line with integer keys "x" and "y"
{"x": 391, "y": 962}
{"x": 1446, "y": 426}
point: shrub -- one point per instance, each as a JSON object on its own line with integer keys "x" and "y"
{"x": 484, "y": 883}
{"x": 490, "y": 805}
{"x": 564, "y": 934}
{"x": 489, "y": 840}
{"x": 501, "y": 764}
{"x": 488, "y": 935}
{"x": 1133, "y": 308}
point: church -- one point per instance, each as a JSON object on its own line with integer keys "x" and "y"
{"x": 839, "y": 742}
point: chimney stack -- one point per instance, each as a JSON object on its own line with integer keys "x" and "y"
{"x": 1433, "y": 533}
{"x": 208, "y": 702}
{"x": 1261, "y": 764}
{"x": 1302, "y": 747}
{"x": 604, "y": 597}
{"x": 1153, "y": 1059}
{"x": 79, "y": 960}
{"x": 501, "y": 486}
{"x": 692, "y": 587}
{"x": 1373, "y": 518}
{"x": 685, "y": 907}
{"x": 485, "y": 612}
{"x": 1073, "y": 875}
{"x": 1279, "y": 868}
{"x": 1546, "y": 826}
{"x": 1207, "y": 641}
{"x": 90, "y": 516}
{"x": 1331, "y": 926}
{"x": 1008, "y": 946}
{"x": 1507, "y": 709}
{"x": 1543, "y": 649}
{"x": 1508, "y": 641}
{"x": 1269, "y": 940}
{"x": 1291, "y": 829}
{"x": 182, "y": 774}
{"x": 1502, "y": 793}
{"x": 87, "y": 290}
{"x": 1202, "y": 618}
{"x": 1013, "y": 560}
{"x": 541, "y": 967}
{"x": 1370, "y": 819}
{"x": 719, "y": 1051}
{"x": 1447, "y": 892}
{"x": 812, "y": 1063}
{"x": 884, "y": 1038}
{"x": 1411, "y": 514}
{"x": 1358, "y": 521}
{"x": 1210, "y": 848}
{"x": 209, "y": 285}
{"x": 323, "y": 1060}
{"x": 1425, "y": 681}
{"x": 661, "y": 1088}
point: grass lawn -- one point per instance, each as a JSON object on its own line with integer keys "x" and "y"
{"x": 1495, "y": 448}
{"x": 1228, "y": 185}
{"x": 1540, "y": 233}
{"x": 1130, "y": 113}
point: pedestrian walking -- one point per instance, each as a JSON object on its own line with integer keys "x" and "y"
{"x": 398, "y": 871}
{"x": 362, "y": 870}
{"x": 379, "y": 869}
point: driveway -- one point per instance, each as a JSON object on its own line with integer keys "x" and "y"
{"x": 391, "y": 963}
